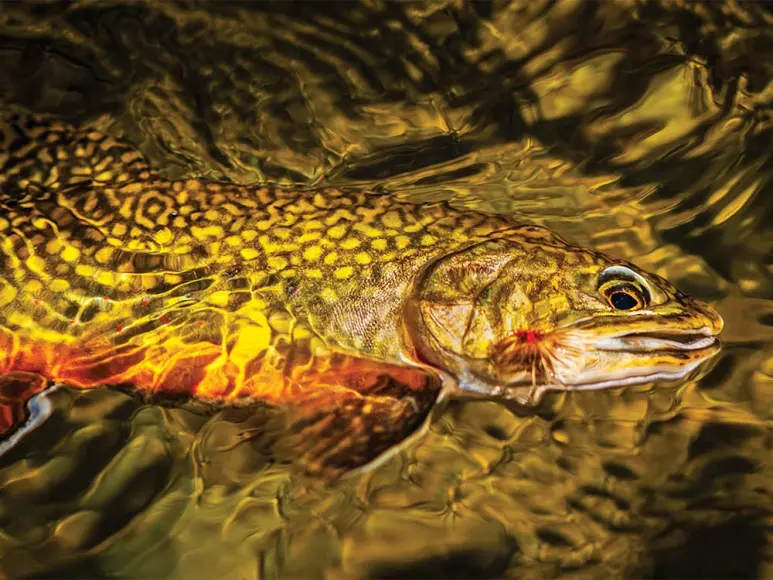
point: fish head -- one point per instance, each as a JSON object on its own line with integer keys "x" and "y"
{"x": 528, "y": 312}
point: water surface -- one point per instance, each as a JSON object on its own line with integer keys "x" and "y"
{"x": 640, "y": 129}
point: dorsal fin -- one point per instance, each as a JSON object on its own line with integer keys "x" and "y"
{"x": 46, "y": 154}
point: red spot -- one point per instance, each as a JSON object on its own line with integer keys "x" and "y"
{"x": 530, "y": 336}
{"x": 37, "y": 302}
{"x": 164, "y": 319}
{"x": 201, "y": 323}
{"x": 120, "y": 327}
{"x": 144, "y": 302}
{"x": 72, "y": 321}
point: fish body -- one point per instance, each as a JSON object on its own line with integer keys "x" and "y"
{"x": 345, "y": 305}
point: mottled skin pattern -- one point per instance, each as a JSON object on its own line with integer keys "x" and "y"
{"x": 355, "y": 309}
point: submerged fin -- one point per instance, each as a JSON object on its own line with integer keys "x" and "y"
{"x": 355, "y": 412}
{"x": 16, "y": 390}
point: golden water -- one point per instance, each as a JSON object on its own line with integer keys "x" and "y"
{"x": 641, "y": 129}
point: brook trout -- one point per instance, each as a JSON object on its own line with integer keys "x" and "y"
{"x": 357, "y": 311}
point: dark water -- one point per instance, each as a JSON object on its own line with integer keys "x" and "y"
{"x": 641, "y": 129}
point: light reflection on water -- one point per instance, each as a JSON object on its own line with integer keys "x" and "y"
{"x": 640, "y": 129}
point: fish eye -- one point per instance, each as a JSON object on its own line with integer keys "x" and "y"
{"x": 624, "y": 296}
{"x": 624, "y": 289}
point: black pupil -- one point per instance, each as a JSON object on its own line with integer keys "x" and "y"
{"x": 623, "y": 301}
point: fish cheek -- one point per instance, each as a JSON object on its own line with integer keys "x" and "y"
{"x": 480, "y": 336}
{"x": 447, "y": 323}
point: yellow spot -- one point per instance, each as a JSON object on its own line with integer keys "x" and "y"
{"x": 36, "y": 263}
{"x": 106, "y": 278}
{"x": 206, "y": 232}
{"x": 249, "y": 253}
{"x": 288, "y": 273}
{"x": 54, "y": 246}
{"x": 212, "y": 215}
{"x": 313, "y": 273}
{"x": 104, "y": 176}
{"x": 344, "y": 272}
{"x": 34, "y": 287}
{"x": 172, "y": 278}
{"x": 300, "y": 332}
{"x": 148, "y": 281}
{"x": 277, "y": 263}
{"x": 179, "y": 222}
{"x": 413, "y": 228}
{"x": 363, "y": 258}
{"x": 249, "y": 235}
{"x": 391, "y": 220}
{"x": 329, "y": 295}
{"x": 379, "y": 244}
{"x": 350, "y": 243}
{"x": 84, "y": 270}
{"x": 115, "y": 242}
{"x": 337, "y": 232}
{"x": 7, "y": 294}
{"x": 70, "y": 254}
{"x": 184, "y": 249}
{"x": 331, "y": 258}
{"x": 104, "y": 255}
{"x": 131, "y": 188}
{"x": 19, "y": 319}
{"x": 402, "y": 242}
{"x": 369, "y": 231}
{"x": 119, "y": 230}
{"x": 263, "y": 225}
{"x": 428, "y": 240}
{"x": 287, "y": 247}
{"x": 219, "y": 298}
{"x": 59, "y": 285}
{"x": 233, "y": 241}
{"x": 312, "y": 253}
{"x": 309, "y": 237}
{"x": 163, "y": 236}
{"x": 282, "y": 233}
{"x": 4, "y": 224}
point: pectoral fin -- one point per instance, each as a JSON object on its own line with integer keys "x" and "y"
{"x": 353, "y": 412}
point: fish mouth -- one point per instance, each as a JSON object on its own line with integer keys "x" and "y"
{"x": 659, "y": 341}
